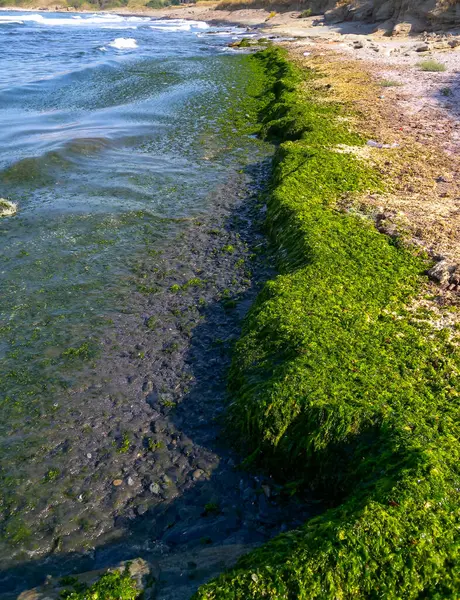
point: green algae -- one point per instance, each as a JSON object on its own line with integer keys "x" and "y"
{"x": 123, "y": 444}
{"x": 338, "y": 386}
{"x": 111, "y": 586}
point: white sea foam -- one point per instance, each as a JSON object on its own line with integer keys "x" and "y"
{"x": 123, "y": 43}
{"x": 7, "y": 21}
{"x": 183, "y": 27}
{"x": 104, "y": 21}
{"x": 178, "y": 25}
{"x": 101, "y": 20}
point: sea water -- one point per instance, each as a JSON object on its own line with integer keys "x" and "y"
{"x": 110, "y": 138}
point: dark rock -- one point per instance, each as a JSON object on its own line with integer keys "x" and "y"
{"x": 147, "y": 386}
{"x": 385, "y": 11}
{"x": 153, "y": 399}
{"x": 337, "y": 14}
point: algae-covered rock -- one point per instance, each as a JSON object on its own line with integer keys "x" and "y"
{"x": 7, "y": 208}
{"x": 128, "y": 580}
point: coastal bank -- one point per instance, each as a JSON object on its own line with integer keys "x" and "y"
{"x": 343, "y": 380}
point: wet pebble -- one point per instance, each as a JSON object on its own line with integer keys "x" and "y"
{"x": 155, "y": 488}
{"x": 198, "y": 474}
{"x": 147, "y": 386}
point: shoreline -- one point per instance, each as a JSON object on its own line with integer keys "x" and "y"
{"x": 353, "y": 283}
{"x": 399, "y": 213}
{"x": 150, "y": 471}
{"x": 288, "y": 20}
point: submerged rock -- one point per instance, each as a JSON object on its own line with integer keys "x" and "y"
{"x": 7, "y": 208}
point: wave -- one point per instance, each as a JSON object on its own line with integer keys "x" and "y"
{"x": 105, "y": 21}
{"x": 183, "y": 27}
{"x": 123, "y": 43}
{"x": 102, "y": 20}
{"x": 225, "y": 33}
{"x": 8, "y": 21}
{"x": 177, "y": 25}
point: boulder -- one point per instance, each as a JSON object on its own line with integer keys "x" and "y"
{"x": 385, "y": 28}
{"x": 385, "y": 11}
{"x": 142, "y": 572}
{"x": 337, "y": 14}
{"x": 442, "y": 271}
{"x": 361, "y": 10}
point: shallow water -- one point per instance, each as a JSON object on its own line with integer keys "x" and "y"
{"x": 114, "y": 133}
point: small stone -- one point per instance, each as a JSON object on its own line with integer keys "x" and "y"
{"x": 117, "y": 482}
{"x": 130, "y": 481}
{"x": 442, "y": 272}
{"x": 266, "y": 490}
{"x": 422, "y": 48}
{"x": 155, "y": 488}
{"x": 7, "y": 208}
{"x": 89, "y": 455}
{"x": 147, "y": 386}
{"x": 153, "y": 398}
{"x": 198, "y": 473}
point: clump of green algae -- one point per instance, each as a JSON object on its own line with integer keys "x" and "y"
{"x": 111, "y": 586}
{"x": 338, "y": 385}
